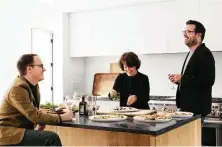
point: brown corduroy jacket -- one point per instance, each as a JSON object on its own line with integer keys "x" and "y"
{"x": 17, "y": 112}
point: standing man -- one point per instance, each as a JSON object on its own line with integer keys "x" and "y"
{"x": 19, "y": 109}
{"x": 198, "y": 73}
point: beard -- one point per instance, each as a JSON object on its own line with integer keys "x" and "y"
{"x": 191, "y": 42}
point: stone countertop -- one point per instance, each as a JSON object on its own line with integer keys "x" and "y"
{"x": 163, "y": 98}
{"x": 129, "y": 125}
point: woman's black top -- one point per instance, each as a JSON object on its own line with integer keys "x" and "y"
{"x": 133, "y": 85}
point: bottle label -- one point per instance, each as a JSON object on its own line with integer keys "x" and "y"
{"x": 81, "y": 109}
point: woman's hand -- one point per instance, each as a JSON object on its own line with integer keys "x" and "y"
{"x": 131, "y": 100}
{"x": 113, "y": 93}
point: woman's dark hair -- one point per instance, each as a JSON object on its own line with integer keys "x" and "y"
{"x": 130, "y": 59}
{"x": 24, "y": 61}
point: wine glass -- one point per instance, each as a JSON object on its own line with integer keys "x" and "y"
{"x": 77, "y": 97}
{"x": 173, "y": 87}
{"x": 173, "y": 84}
{"x": 68, "y": 102}
{"x": 94, "y": 106}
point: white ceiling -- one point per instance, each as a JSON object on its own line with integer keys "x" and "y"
{"x": 86, "y": 5}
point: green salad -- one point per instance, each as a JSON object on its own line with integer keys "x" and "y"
{"x": 48, "y": 105}
{"x": 115, "y": 97}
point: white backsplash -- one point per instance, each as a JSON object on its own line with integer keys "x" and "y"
{"x": 156, "y": 66}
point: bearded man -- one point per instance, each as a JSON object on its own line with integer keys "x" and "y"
{"x": 198, "y": 73}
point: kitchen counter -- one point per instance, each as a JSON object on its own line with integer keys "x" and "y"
{"x": 82, "y": 131}
{"x": 161, "y": 98}
{"x": 129, "y": 125}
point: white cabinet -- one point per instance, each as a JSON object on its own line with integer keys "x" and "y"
{"x": 144, "y": 29}
{"x": 210, "y": 15}
{"x": 178, "y": 14}
{"x": 113, "y": 31}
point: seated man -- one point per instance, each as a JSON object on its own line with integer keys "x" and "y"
{"x": 19, "y": 109}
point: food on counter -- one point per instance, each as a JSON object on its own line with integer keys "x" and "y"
{"x": 157, "y": 116}
{"x": 176, "y": 113}
{"x": 105, "y": 117}
{"x": 108, "y": 118}
{"x": 53, "y": 110}
{"x": 182, "y": 114}
{"x": 169, "y": 110}
{"x": 125, "y": 109}
{"x": 48, "y": 105}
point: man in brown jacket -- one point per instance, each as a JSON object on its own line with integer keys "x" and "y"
{"x": 19, "y": 109}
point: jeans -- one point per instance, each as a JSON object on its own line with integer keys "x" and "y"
{"x": 39, "y": 138}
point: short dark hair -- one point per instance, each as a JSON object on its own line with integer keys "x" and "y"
{"x": 199, "y": 28}
{"x": 23, "y": 62}
{"x": 130, "y": 59}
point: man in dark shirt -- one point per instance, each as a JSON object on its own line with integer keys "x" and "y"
{"x": 198, "y": 73}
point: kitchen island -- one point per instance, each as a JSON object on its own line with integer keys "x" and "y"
{"x": 84, "y": 132}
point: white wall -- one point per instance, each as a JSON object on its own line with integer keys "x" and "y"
{"x": 89, "y": 5}
{"x": 73, "y": 68}
{"x": 17, "y": 19}
{"x": 156, "y": 66}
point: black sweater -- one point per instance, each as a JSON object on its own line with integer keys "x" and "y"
{"x": 133, "y": 85}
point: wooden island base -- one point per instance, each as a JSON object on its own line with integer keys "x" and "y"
{"x": 186, "y": 135}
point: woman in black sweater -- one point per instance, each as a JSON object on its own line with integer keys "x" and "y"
{"x": 132, "y": 85}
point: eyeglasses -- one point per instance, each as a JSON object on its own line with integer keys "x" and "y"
{"x": 187, "y": 31}
{"x": 39, "y": 65}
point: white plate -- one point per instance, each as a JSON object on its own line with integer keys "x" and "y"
{"x": 125, "y": 109}
{"x": 182, "y": 114}
{"x": 141, "y": 119}
{"x": 112, "y": 119}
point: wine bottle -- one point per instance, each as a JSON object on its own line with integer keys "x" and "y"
{"x": 83, "y": 107}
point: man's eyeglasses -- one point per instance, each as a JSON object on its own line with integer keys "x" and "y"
{"x": 39, "y": 65}
{"x": 187, "y": 31}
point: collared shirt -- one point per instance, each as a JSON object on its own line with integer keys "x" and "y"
{"x": 188, "y": 59}
{"x": 34, "y": 90}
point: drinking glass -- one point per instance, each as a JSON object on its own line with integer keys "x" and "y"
{"x": 173, "y": 87}
{"x": 77, "y": 98}
{"x": 173, "y": 84}
{"x": 69, "y": 103}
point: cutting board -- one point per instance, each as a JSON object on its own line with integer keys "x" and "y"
{"x": 140, "y": 112}
{"x": 103, "y": 83}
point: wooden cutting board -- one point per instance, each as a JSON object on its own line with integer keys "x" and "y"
{"x": 140, "y": 112}
{"x": 103, "y": 83}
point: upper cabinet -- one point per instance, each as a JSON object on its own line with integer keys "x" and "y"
{"x": 147, "y": 28}
{"x": 210, "y": 14}
{"x": 113, "y": 31}
{"x": 179, "y": 12}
